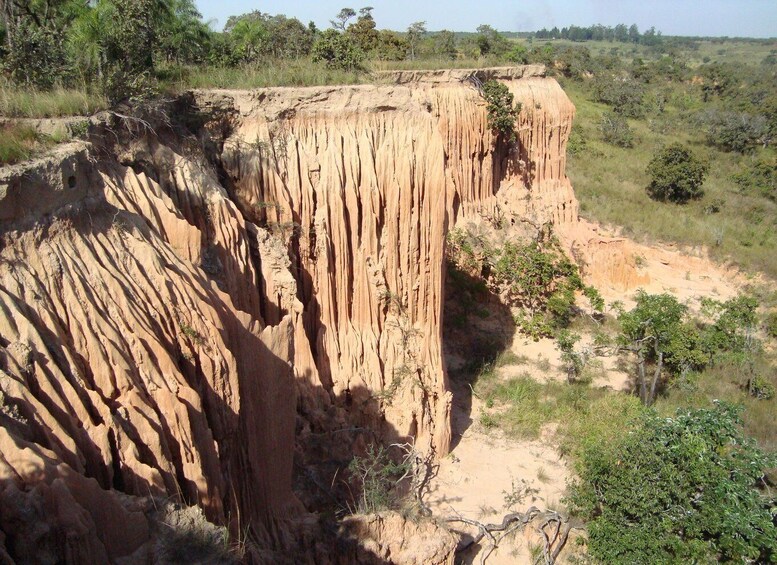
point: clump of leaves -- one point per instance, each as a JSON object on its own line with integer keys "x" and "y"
{"x": 574, "y": 361}
{"x": 338, "y": 51}
{"x": 759, "y": 387}
{"x": 502, "y": 113}
{"x": 760, "y": 178}
{"x": 666, "y": 343}
{"x": 677, "y": 490}
{"x": 540, "y": 278}
{"x": 676, "y": 174}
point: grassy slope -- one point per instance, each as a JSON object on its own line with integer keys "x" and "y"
{"x": 610, "y": 183}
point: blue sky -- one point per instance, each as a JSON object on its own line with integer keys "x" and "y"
{"x": 750, "y": 18}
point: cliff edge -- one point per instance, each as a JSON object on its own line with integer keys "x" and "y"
{"x": 192, "y": 300}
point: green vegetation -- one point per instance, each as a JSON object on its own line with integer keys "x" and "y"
{"x": 502, "y": 113}
{"x": 676, "y": 175}
{"x": 377, "y": 477}
{"x": 535, "y": 276}
{"x": 683, "y": 489}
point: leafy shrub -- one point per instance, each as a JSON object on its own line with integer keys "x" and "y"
{"x": 543, "y": 280}
{"x": 616, "y": 131}
{"x": 759, "y": 387}
{"x": 734, "y": 131}
{"x": 676, "y": 174}
{"x": 378, "y": 477}
{"x": 574, "y": 360}
{"x": 770, "y": 324}
{"x": 502, "y": 113}
{"x": 731, "y": 333}
{"x": 626, "y": 97}
{"x": 760, "y": 178}
{"x": 676, "y": 490}
{"x": 338, "y": 51}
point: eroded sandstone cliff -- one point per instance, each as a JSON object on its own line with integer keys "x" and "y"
{"x": 181, "y": 303}
{"x": 364, "y": 182}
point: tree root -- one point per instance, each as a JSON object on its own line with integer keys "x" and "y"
{"x": 553, "y": 527}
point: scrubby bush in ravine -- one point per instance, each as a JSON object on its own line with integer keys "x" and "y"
{"x": 656, "y": 332}
{"x": 667, "y": 343}
{"x": 377, "y": 477}
{"x": 540, "y": 278}
{"x": 676, "y": 174}
{"x": 574, "y": 361}
{"x": 677, "y": 490}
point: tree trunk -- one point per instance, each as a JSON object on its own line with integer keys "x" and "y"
{"x": 641, "y": 377}
{"x": 656, "y": 375}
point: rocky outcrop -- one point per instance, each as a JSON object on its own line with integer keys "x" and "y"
{"x": 364, "y": 182}
{"x": 173, "y": 325}
{"x": 123, "y": 365}
{"x": 390, "y": 538}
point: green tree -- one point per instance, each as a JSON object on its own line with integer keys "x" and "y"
{"x": 249, "y": 36}
{"x": 183, "y": 36}
{"x": 445, "y": 45}
{"x": 341, "y": 19}
{"x": 363, "y": 32}
{"x": 654, "y": 330}
{"x": 88, "y": 38}
{"x": 677, "y": 490}
{"x": 415, "y": 33}
{"x": 502, "y": 113}
{"x": 287, "y": 38}
{"x": 676, "y": 174}
{"x": 36, "y": 55}
{"x": 491, "y": 42}
{"x": 391, "y": 46}
{"x": 338, "y": 51}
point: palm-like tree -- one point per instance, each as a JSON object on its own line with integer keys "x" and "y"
{"x": 88, "y": 35}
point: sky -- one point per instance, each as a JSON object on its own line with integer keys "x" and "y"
{"x": 733, "y": 18}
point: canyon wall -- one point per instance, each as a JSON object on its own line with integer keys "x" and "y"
{"x": 180, "y": 303}
{"x": 364, "y": 182}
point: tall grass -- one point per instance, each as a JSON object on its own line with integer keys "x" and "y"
{"x": 18, "y": 102}
{"x": 20, "y": 142}
{"x": 300, "y": 72}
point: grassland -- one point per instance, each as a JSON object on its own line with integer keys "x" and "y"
{"x": 20, "y": 102}
{"x": 610, "y": 183}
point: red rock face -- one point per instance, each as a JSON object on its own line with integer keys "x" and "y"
{"x": 162, "y": 331}
{"x": 371, "y": 178}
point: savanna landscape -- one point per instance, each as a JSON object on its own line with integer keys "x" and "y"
{"x": 280, "y": 292}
